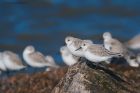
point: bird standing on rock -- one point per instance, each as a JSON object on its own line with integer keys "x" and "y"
{"x": 116, "y": 46}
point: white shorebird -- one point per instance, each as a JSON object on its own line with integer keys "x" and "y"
{"x": 112, "y": 44}
{"x": 12, "y": 61}
{"x": 74, "y": 43}
{"x": 34, "y": 58}
{"x": 134, "y": 43}
{"x": 2, "y": 66}
{"x": 96, "y": 52}
{"x": 51, "y": 60}
{"x": 68, "y": 58}
{"x": 116, "y": 46}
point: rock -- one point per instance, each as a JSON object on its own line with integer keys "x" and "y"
{"x": 83, "y": 77}
{"x": 86, "y": 77}
{"x": 38, "y": 82}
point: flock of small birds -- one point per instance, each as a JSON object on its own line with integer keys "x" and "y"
{"x": 74, "y": 49}
{"x": 97, "y": 53}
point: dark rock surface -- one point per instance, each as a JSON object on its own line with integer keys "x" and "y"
{"x": 85, "y": 77}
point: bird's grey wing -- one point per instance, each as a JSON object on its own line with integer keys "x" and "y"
{"x": 52, "y": 61}
{"x": 88, "y": 41}
{"x": 95, "y": 49}
{"x": 117, "y": 44}
{"x": 77, "y": 43}
{"x": 16, "y": 59}
{"x": 38, "y": 57}
{"x": 100, "y": 50}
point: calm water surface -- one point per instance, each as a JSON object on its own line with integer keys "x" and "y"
{"x": 46, "y": 23}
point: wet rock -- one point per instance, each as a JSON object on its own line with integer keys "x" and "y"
{"x": 86, "y": 77}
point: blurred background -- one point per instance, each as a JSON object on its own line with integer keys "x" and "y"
{"x": 45, "y": 23}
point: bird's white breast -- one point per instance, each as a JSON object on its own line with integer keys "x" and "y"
{"x": 68, "y": 59}
{"x": 107, "y": 45}
{"x": 2, "y": 66}
{"x": 95, "y": 58}
{"x": 72, "y": 49}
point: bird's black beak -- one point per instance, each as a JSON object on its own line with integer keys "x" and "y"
{"x": 78, "y": 49}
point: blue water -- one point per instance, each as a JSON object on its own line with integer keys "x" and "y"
{"x": 45, "y": 23}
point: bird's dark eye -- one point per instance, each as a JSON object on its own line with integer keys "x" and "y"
{"x": 68, "y": 40}
{"x": 84, "y": 45}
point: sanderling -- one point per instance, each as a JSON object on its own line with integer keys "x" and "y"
{"x": 2, "y": 65}
{"x": 116, "y": 46}
{"x": 12, "y": 61}
{"x": 96, "y": 52}
{"x": 134, "y": 43}
{"x": 34, "y": 58}
{"x": 74, "y": 43}
{"x": 68, "y": 58}
{"x": 51, "y": 60}
{"x": 112, "y": 44}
